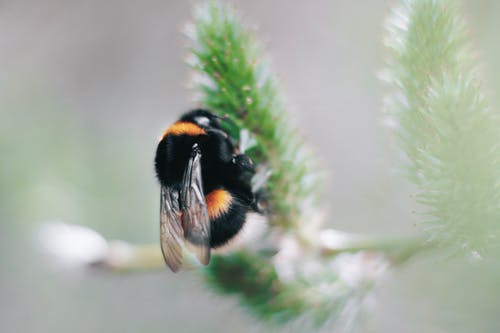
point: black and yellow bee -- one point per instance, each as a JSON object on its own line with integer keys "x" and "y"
{"x": 206, "y": 195}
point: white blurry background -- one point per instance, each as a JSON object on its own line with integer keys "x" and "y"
{"x": 86, "y": 87}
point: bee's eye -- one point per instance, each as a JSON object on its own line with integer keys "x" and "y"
{"x": 203, "y": 121}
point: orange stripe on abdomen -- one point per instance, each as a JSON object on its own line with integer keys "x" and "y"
{"x": 182, "y": 127}
{"x": 218, "y": 203}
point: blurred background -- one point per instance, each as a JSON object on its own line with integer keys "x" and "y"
{"x": 87, "y": 87}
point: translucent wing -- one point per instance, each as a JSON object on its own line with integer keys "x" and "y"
{"x": 171, "y": 232}
{"x": 195, "y": 221}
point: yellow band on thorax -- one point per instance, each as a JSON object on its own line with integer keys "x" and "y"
{"x": 182, "y": 127}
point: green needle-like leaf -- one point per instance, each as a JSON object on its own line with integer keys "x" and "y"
{"x": 451, "y": 138}
{"x": 234, "y": 80}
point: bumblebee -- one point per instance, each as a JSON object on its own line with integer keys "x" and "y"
{"x": 206, "y": 200}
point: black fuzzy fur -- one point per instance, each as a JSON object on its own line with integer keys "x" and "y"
{"x": 221, "y": 169}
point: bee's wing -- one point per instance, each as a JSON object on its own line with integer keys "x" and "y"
{"x": 195, "y": 220}
{"x": 171, "y": 232}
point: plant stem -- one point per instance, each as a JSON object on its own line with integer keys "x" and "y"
{"x": 399, "y": 250}
{"x": 127, "y": 257}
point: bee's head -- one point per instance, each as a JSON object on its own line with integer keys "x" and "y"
{"x": 243, "y": 164}
{"x": 203, "y": 118}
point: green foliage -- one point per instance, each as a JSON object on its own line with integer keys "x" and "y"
{"x": 244, "y": 274}
{"x": 234, "y": 80}
{"x": 313, "y": 300}
{"x": 443, "y": 125}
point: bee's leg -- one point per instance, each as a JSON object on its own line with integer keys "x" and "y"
{"x": 260, "y": 203}
{"x": 260, "y": 196}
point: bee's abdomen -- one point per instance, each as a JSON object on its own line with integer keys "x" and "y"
{"x": 227, "y": 212}
{"x": 218, "y": 203}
